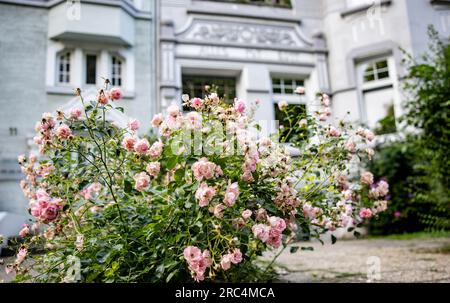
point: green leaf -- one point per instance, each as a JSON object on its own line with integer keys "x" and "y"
{"x": 293, "y": 249}
{"x": 127, "y": 186}
{"x": 171, "y": 162}
{"x": 179, "y": 175}
{"x": 170, "y": 276}
{"x": 333, "y": 239}
{"x": 307, "y": 248}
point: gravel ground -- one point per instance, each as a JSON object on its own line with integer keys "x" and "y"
{"x": 415, "y": 260}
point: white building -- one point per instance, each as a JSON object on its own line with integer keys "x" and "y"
{"x": 263, "y": 49}
{"x": 48, "y": 48}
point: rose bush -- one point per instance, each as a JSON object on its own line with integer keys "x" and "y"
{"x": 200, "y": 202}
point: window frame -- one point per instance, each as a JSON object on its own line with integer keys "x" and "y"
{"x": 66, "y": 73}
{"x": 87, "y": 53}
{"x": 122, "y": 69}
{"x": 362, "y": 66}
{"x": 295, "y": 82}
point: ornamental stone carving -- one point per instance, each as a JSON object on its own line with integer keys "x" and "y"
{"x": 243, "y": 33}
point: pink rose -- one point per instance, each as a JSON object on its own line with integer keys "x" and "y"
{"x": 153, "y": 168}
{"x": 367, "y": 178}
{"x": 156, "y": 149}
{"x": 198, "y": 261}
{"x": 50, "y": 213}
{"x": 102, "y": 98}
{"x": 274, "y": 238}
{"x": 277, "y": 223}
{"x": 21, "y": 255}
{"x": 196, "y": 103}
{"x": 134, "y": 124}
{"x": 334, "y": 132}
{"x": 246, "y": 214}
{"x": 173, "y": 110}
{"x": 365, "y": 213}
{"x": 282, "y": 105}
{"x": 300, "y": 90}
{"x": 142, "y": 146}
{"x": 311, "y": 212}
{"x": 75, "y": 113}
{"x": 142, "y": 181}
{"x": 128, "y": 143}
{"x": 157, "y": 120}
{"x": 225, "y": 262}
{"x": 63, "y": 132}
{"x": 261, "y": 231}
{"x": 261, "y": 214}
{"x": 383, "y": 188}
{"x": 24, "y": 231}
{"x": 42, "y": 195}
{"x": 32, "y": 158}
{"x": 192, "y": 253}
{"x": 218, "y": 210}
{"x": 239, "y": 106}
{"x": 369, "y": 135}
{"x": 193, "y": 120}
{"x": 204, "y": 169}
{"x": 379, "y": 206}
{"x": 231, "y": 194}
{"x": 236, "y": 256}
{"x": 348, "y": 194}
{"x": 204, "y": 194}
{"x": 350, "y": 146}
{"x": 115, "y": 93}
{"x": 303, "y": 123}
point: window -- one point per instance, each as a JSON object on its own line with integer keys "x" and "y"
{"x": 285, "y": 86}
{"x": 376, "y": 70}
{"x": 116, "y": 72}
{"x": 194, "y": 86}
{"x": 299, "y": 112}
{"x": 91, "y": 69}
{"x": 64, "y": 68}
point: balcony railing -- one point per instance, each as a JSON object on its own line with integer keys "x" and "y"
{"x": 273, "y": 3}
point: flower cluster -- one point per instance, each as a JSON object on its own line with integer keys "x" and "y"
{"x": 270, "y": 233}
{"x": 198, "y": 261}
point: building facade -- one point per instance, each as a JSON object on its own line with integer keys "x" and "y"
{"x": 260, "y": 49}
{"x": 49, "y": 48}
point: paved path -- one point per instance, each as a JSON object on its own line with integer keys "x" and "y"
{"x": 416, "y": 260}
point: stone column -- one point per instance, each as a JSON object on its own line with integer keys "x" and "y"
{"x": 255, "y": 79}
{"x": 169, "y": 88}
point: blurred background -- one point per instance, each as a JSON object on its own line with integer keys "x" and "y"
{"x": 367, "y": 55}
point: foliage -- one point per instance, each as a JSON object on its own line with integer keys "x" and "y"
{"x": 204, "y": 200}
{"x": 396, "y": 162}
{"x": 417, "y": 167}
{"x": 387, "y": 124}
